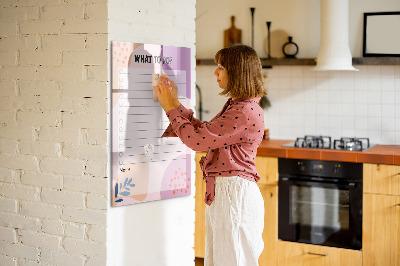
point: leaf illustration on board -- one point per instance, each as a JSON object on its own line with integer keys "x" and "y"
{"x": 124, "y": 188}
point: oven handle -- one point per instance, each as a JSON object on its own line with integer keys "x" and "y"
{"x": 298, "y": 181}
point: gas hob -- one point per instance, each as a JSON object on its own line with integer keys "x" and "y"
{"x": 325, "y": 142}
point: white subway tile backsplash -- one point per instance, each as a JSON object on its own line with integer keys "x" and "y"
{"x": 388, "y": 111}
{"x": 387, "y": 72}
{"x": 374, "y": 97}
{"x": 334, "y": 109}
{"x": 284, "y": 83}
{"x": 347, "y": 110}
{"x": 335, "y": 122}
{"x": 348, "y": 122}
{"x": 286, "y": 120}
{"x": 308, "y": 72}
{"x": 374, "y": 123}
{"x": 322, "y": 109}
{"x": 361, "y": 123}
{"x": 322, "y": 95}
{"x": 310, "y": 95}
{"x": 361, "y": 110}
{"x": 365, "y": 103}
{"x": 388, "y": 124}
{"x": 374, "y": 70}
{"x": 347, "y": 77}
{"x": 310, "y": 109}
{"x": 388, "y": 97}
{"x": 322, "y": 121}
{"x": 334, "y": 80}
{"x": 389, "y": 136}
{"x": 388, "y": 84}
{"x": 348, "y": 96}
{"x": 374, "y": 84}
{"x": 374, "y": 111}
{"x": 360, "y": 97}
{"x": 297, "y": 72}
{"x": 285, "y": 72}
{"x": 297, "y": 83}
{"x": 375, "y": 136}
{"x": 348, "y": 133}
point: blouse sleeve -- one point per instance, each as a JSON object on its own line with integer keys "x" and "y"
{"x": 223, "y": 131}
{"x": 186, "y": 113}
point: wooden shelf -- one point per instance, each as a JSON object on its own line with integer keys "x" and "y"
{"x": 376, "y": 61}
{"x": 312, "y": 61}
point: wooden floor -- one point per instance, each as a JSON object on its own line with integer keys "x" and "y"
{"x": 199, "y": 262}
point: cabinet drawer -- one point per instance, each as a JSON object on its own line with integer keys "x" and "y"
{"x": 381, "y": 179}
{"x": 293, "y": 254}
{"x": 267, "y": 168}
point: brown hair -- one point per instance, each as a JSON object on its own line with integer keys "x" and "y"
{"x": 245, "y": 78}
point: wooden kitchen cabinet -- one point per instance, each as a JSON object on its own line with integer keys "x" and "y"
{"x": 298, "y": 254}
{"x": 381, "y": 215}
{"x": 267, "y": 168}
{"x": 200, "y": 207}
{"x": 381, "y": 230}
{"x": 381, "y": 179}
{"x": 270, "y": 233}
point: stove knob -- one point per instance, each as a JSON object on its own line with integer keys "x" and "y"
{"x": 301, "y": 166}
{"x": 336, "y": 169}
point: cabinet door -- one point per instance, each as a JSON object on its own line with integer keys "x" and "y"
{"x": 267, "y": 168}
{"x": 381, "y": 230}
{"x": 270, "y": 233}
{"x": 297, "y": 254}
{"x": 381, "y": 179}
{"x": 200, "y": 207}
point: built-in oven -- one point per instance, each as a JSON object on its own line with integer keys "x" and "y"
{"x": 320, "y": 202}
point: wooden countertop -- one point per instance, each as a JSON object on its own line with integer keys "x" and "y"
{"x": 379, "y": 154}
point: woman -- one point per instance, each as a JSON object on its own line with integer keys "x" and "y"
{"x": 235, "y": 207}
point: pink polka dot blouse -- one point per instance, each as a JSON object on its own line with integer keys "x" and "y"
{"x": 231, "y": 139}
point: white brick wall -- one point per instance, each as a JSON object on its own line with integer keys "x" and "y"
{"x": 53, "y": 120}
{"x": 53, "y": 130}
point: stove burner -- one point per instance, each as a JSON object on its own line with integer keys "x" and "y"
{"x": 308, "y": 141}
{"x": 324, "y": 142}
{"x": 351, "y": 144}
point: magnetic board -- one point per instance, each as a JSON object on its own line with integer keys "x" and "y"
{"x": 146, "y": 167}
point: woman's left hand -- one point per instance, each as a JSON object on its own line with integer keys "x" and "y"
{"x": 163, "y": 92}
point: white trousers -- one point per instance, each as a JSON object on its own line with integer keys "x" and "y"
{"x": 234, "y": 223}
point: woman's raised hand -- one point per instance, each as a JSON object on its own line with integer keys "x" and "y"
{"x": 174, "y": 89}
{"x": 164, "y": 95}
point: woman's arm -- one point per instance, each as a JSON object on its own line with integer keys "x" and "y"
{"x": 228, "y": 129}
{"x": 187, "y": 113}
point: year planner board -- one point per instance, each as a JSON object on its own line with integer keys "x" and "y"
{"x": 146, "y": 167}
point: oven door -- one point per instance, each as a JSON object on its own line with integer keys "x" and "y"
{"x": 321, "y": 212}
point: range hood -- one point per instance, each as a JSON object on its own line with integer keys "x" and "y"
{"x": 334, "y": 51}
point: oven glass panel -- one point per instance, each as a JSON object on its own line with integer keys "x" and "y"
{"x": 319, "y": 208}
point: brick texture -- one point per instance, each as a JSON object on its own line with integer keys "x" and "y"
{"x": 53, "y": 57}
{"x": 54, "y": 80}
